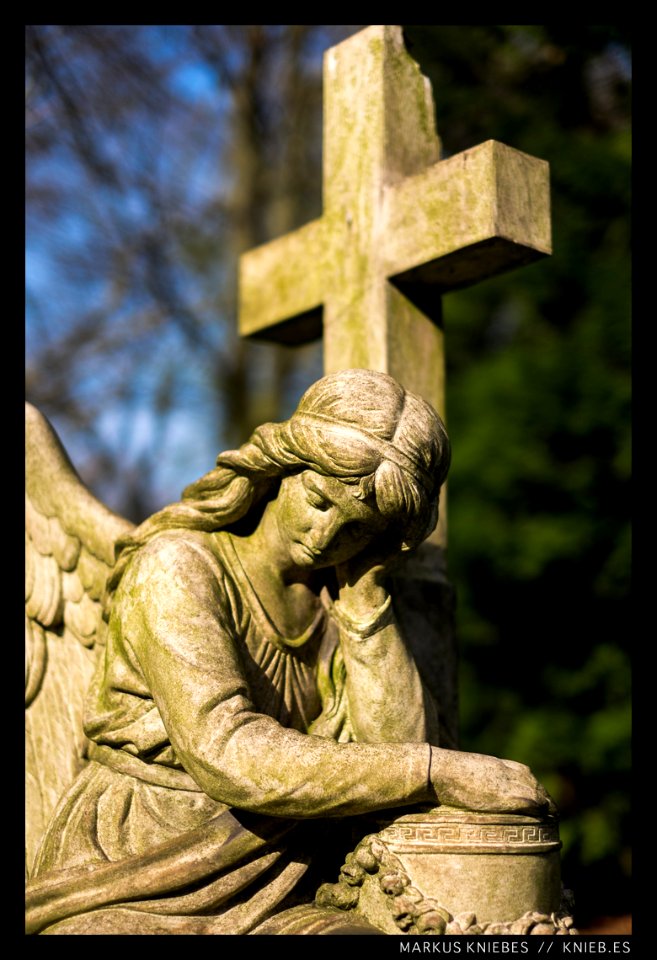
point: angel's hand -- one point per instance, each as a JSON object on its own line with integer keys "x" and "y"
{"x": 483, "y": 783}
{"x": 362, "y": 578}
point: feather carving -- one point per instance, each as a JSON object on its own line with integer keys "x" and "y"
{"x": 69, "y": 553}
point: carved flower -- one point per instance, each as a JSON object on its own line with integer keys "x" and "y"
{"x": 402, "y": 906}
{"x": 392, "y": 884}
{"x": 353, "y": 874}
{"x": 432, "y": 905}
{"x": 366, "y": 859}
{"x": 431, "y": 922}
{"x": 338, "y": 895}
{"x": 378, "y": 849}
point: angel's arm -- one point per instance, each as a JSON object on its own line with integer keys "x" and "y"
{"x": 387, "y": 699}
{"x": 386, "y": 696}
{"x": 172, "y": 614}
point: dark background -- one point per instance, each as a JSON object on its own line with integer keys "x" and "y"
{"x": 155, "y": 155}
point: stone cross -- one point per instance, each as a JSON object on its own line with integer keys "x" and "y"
{"x": 400, "y": 227}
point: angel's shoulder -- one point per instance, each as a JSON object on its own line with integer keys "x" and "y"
{"x": 176, "y": 557}
{"x": 176, "y": 545}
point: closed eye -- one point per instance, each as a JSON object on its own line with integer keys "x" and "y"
{"x": 355, "y": 529}
{"x": 318, "y": 501}
{"x": 315, "y": 496}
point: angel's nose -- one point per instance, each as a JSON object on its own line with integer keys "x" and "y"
{"x": 328, "y": 528}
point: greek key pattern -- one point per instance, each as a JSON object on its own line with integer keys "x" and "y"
{"x": 468, "y": 834}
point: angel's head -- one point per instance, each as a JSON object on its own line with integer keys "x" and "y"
{"x": 358, "y": 427}
{"x": 385, "y": 447}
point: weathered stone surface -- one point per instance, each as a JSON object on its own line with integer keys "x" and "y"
{"x": 254, "y": 678}
{"x": 491, "y": 866}
{"x": 396, "y": 221}
{"x": 447, "y": 871}
{"x": 69, "y": 551}
{"x": 256, "y": 674}
{"x": 400, "y": 227}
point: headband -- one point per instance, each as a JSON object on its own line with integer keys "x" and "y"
{"x": 387, "y": 450}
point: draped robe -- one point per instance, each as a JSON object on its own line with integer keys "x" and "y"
{"x": 215, "y": 744}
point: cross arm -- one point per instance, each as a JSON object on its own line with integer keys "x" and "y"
{"x": 283, "y": 285}
{"x": 466, "y": 218}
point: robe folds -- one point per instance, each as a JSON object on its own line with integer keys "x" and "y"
{"x": 216, "y": 744}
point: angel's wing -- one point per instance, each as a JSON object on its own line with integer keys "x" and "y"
{"x": 69, "y": 546}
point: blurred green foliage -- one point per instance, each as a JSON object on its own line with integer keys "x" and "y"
{"x": 538, "y": 412}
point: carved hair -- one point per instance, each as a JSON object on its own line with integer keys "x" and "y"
{"x": 359, "y": 426}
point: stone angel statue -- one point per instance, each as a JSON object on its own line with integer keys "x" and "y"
{"x": 215, "y": 695}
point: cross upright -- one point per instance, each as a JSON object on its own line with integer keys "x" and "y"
{"x": 399, "y": 228}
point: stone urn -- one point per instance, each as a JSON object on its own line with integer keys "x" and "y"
{"x": 445, "y": 870}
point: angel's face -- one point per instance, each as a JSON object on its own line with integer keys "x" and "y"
{"x": 320, "y": 521}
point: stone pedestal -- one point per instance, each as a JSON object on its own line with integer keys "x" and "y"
{"x": 452, "y": 871}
